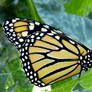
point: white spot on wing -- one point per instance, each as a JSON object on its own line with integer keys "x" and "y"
{"x": 38, "y": 38}
{"x": 25, "y": 64}
{"x": 16, "y": 43}
{"x": 26, "y": 57}
{"x": 37, "y": 23}
{"x": 26, "y": 70}
{"x": 5, "y": 27}
{"x": 32, "y": 40}
{"x": 35, "y": 79}
{"x": 32, "y": 80}
{"x": 43, "y": 84}
{"x": 50, "y": 34}
{"x": 25, "y": 33}
{"x": 22, "y": 49}
{"x": 53, "y": 32}
{"x": 10, "y": 24}
{"x": 72, "y": 41}
{"x": 31, "y": 77}
{"x": 31, "y": 72}
{"x": 34, "y": 74}
{"x": 32, "y": 36}
{"x": 26, "y": 48}
{"x": 13, "y": 20}
{"x": 19, "y": 46}
{"x": 43, "y": 29}
{"x": 57, "y": 37}
{"x": 28, "y": 63}
{"x": 81, "y": 57}
{"x": 17, "y": 18}
{"x": 26, "y": 44}
{"x": 41, "y": 34}
{"x": 37, "y": 33}
{"x": 22, "y": 54}
{"x": 46, "y": 26}
{"x": 32, "y": 24}
{"x": 7, "y": 22}
{"x": 84, "y": 61}
{"x": 11, "y": 30}
{"x": 31, "y": 27}
{"x": 27, "y": 74}
{"x": 29, "y": 67}
{"x": 21, "y": 40}
{"x": 88, "y": 55}
{"x": 28, "y": 40}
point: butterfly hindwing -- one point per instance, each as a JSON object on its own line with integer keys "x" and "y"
{"x": 49, "y": 58}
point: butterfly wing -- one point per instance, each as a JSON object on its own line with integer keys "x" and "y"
{"x": 18, "y": 29}
{"x": 47, "y": 54}
{"x": 52, "y": 57}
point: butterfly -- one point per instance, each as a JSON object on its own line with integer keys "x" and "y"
{"x": 47, "y": 54}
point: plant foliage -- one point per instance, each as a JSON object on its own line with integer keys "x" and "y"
{"x": 62, "y": 14}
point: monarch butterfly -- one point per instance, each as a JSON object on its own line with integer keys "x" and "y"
{"x": 47, "y": 54}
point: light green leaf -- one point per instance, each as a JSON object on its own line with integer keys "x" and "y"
{"x": 86, "y": 80}
{"x": 79, "y": 7}
{"x": 65, "y": 85}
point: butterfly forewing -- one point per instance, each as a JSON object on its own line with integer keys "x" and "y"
{"x": 17, "y": 30}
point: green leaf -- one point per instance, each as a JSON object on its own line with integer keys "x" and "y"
{"x": 79, "y": 7}
{"x": 18, "y": 8}
{"x": 86, "y": 80}
{"x": 10, "y": 66}
{"x": 17, "y": 81}
{"x": 65, "y": 85}
{"x": 3, "y": 81}
{"x": 22, "y": 83}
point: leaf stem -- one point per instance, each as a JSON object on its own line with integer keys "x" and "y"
{"x": 33, "y": 11}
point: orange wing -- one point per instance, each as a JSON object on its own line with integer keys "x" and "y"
{"x": 18, "y": 29}
{"x": 47, "y": 54}
{"x": 54, "y": 60}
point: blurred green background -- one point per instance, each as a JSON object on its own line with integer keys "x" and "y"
{"x": 73, "y": 17}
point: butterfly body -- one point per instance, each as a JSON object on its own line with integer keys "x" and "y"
{"x": 47, "y": 54}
